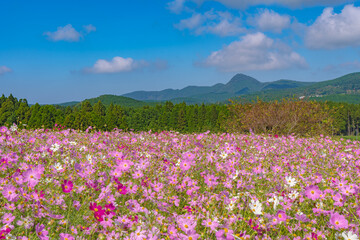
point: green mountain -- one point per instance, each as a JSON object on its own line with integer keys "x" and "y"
{"x": 238, "y": 85}
{"x": 342, "y": 89}
{"x": 107, "y": 99}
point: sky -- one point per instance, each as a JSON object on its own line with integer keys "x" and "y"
{"x": 60, "y": 51}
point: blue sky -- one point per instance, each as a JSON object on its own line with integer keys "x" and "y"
{"x": 59, "y": 51}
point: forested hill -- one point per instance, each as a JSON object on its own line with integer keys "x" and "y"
{"x": 250, "y": 88}
{"x": 240, "y": 84}
{"x": 108, "y": 99}
{"x": 342, "y": 89}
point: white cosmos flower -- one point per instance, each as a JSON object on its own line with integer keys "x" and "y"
{"x": 293, "y": 195}
{"x": 89, "y": 158}
{"x": 236, "y": 175}
{"x": 299, "y": 212}
{"x": 319, "y": 205}
{"x": 58, "y": 166}
{"x": 223, "y": 155}
{"x": 290, "y": 181}
{"x": 72, "y": 143}
{"x": 349, "y": 236}
{"x": 256, "y": 207}
{"x": 55, "y": 147}
{"x": 276, "y": 200}
{"x": 14, "y": 128}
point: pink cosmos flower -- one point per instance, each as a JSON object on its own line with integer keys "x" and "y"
{"x": 188, "y": 156}
{"x": 9, "y": 193}
{"x": 67, "y": 186}
{"x": 157, "y": 186}
{"x": 313, "y": 192}
{"x": 338, "y": 221}
{"x": 210, "y": 224}
{"x": 274, "y": 220}
{"x": 8, "y": 218}
{"x": 317, "y": 177}
{"x": 172, "y": 231}
{"x": 66, "y": 236}
{"x": 281, "y": 216}
{"x": 225, "y": 234}
{"x": 137, "y": 174}
{"x": 41, "y": 232}
{"x": 339, "y": 200}
{"x": 185, "y": 165}
{"x": 77, "y": 205}
{"x": 125, "y": 165}
{"x": 211, "y": 180}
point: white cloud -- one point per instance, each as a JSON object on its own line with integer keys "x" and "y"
{"x": 89, "y": 28}
{"x": 241, "y": 4}
{"x": 195, "y": 21}
{"x": 254, "y": 52}
{"x": 218, "y": 23}
{"x": 4, "y": 69}
{"x": 331, "y": 30}
{"x": 270, "y": 21}
{"x": 69, "y": 34}
{"x": 176, "y": 6}
{"x": 116, "y": 65}
{"x": 66, "y": 33}
{"x": 120, "y": 64}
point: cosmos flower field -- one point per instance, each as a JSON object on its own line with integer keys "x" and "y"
{"x": 69, "y": 184}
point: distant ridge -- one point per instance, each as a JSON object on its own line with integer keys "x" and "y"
{"x": 345, "y": 88}
{"x": 238, "y": 85}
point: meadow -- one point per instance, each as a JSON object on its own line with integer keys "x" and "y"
{"x": 67, "y": 184}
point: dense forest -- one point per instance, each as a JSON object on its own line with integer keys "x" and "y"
{"x": 345, "y": 118}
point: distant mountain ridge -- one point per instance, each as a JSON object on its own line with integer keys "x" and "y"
{"x": 346, "y": 87}
{"x": 240, "y": 84}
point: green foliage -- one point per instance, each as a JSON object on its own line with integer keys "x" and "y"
{"x": 303, "y": 117}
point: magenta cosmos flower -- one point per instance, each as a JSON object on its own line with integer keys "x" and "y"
{"x": 67, "y": 186}
{"x": 122, "y": 189}
{"x": 338, "y": 221}
{"x": 65, "y": 236}
{"x": 281, "y": 216}
{"x": 313, "y": 192}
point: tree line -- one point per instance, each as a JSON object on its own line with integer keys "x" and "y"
{"x": 276, "y": 117}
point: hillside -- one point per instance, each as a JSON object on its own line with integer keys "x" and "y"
{"x": 345, "y": 88}
{"x": 240, "y": 84}
{"x": 107, "y": 99}
{"x": 337, "y": 89}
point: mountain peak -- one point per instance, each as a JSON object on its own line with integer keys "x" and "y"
{"x": 242, "y": 78}
{"x": 241, "y": 83}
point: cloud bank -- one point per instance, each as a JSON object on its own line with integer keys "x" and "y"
{"x": 254, "y": 52}
{"x": 331, "y": 30}
{"x": 270, "y": 21}
{"x": 121, "y": 65}
{"x": 212, "y": 22}
{"x": 69, "y": 34}
{"x": 179, "y": 5}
